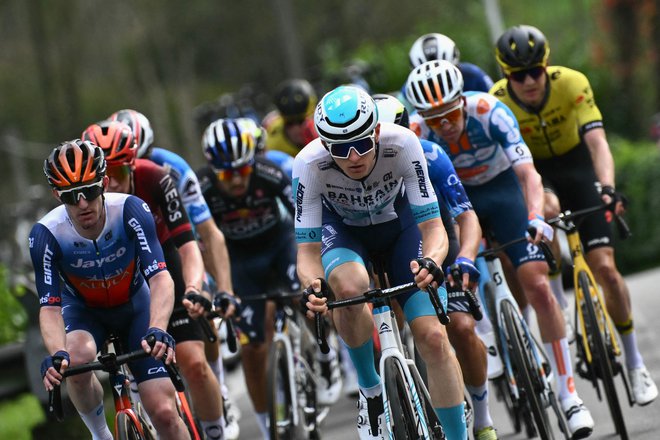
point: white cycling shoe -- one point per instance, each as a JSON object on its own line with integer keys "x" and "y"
{"x": 643, "y": 387}
{"x": 329, "y": 382}
{"x": 371, "y": 418}
{"x": 231, "y": 416}
{"x": 578, "y": 418}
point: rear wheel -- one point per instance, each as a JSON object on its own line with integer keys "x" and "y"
{"x": 279, "y": 399}
{"x": 596, "y": 324}
{"x": 402, "y": 412}
{"x": 529, "y": 384}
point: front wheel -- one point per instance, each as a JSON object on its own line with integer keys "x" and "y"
{"x": 126, "y": 427}
{"x": 596, "y": 323}
{"x": 279, "y": 399}
{"x": 403, "y": 416}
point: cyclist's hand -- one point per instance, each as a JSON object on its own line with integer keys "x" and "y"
{"x": 427, "y": 272}
{"x": 609, "y": 195}
{"x": 163, "y": 347}
{"x": 228, "y": 304}
{"x": 50, "y": 375}
{"x": 315, "y": 297}
{"x": 196, "y": 303}
{"x": 470, "y": 273}
{"x": 543, "y": 230}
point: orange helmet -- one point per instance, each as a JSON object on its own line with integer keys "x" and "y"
{"x": 74, "y": 163}
{"x": 116, "y": 139}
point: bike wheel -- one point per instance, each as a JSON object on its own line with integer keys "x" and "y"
{"x": 524, "y": 369}
{"x": 601, "y": 356}
{"x": 307, "y": 390}
{"x": 126, "y": 427}
{"x": 279, "y": 399}
{"x": 432, "y": 420}
{"x": 402, "y": 413}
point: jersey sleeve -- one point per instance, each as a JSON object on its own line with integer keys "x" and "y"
{"x": 419, "y": 189}
{"x": 307, "y": 216}
{"x": 45, "y": 253}
{"x": 579, "y": 90}
{"x": 445, "y": 180}
{"x": 505, "y": 130}
{"x": 174, "y": 213}
{"x": 139, "y": 223}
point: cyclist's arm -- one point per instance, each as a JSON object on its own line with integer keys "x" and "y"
{"x": 532, "y": 187}
{"x": 51, "y": 324}
{"x": 434, "y": 240}
{"x": 469, "y": 234}
{"x": 600, "y": 155}
{"x": 161, "y": 299}
{"x": 192, "y": 265}
{"x": 215, "y": 254}
{"x": 308, "y": 265}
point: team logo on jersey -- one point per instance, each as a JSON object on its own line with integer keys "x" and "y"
{"x": 98, "y": 262}
{"x": 108, "y": 236}
{"x": 139, "y": 232}
{"x": 50, "y": 300}
{"x": 389, "y": 152}
{"x": 483, "y": 107}
{"x": 146, "y": 207}
{"x": 300, "y": 194}
{"x": 421, "y": 179}
{"x": 47, "y": 265}
{"x": 31, "y": 242}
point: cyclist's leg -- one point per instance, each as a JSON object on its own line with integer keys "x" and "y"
{"x": 157, "y": 396}
{"x": 84, "y": 335}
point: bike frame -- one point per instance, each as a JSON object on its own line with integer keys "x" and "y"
{"x": 120, "y": 391}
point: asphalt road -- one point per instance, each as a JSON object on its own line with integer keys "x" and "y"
{"x": 643, "y": 422}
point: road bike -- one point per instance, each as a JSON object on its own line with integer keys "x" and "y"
{"x": 131, "y": 422}
{"x": 597, "y": 347}
{"x": 525, "y": 386}
{"x": 409, "y": 412}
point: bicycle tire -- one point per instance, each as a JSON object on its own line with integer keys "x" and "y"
{"x": 524, "y": 370}
{"x": 308, "y": 387}
{"x": 432, "y": 420}
{"x": 402, "y": 413}
{"x": 279, "y": 399}
{"x": 125, "y": 428}
{"x": 600, "y": 354}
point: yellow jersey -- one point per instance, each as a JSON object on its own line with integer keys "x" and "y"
{"x": 277, "y": 139}
{"x": 567, "y": 112}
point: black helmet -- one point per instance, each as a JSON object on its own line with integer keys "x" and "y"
{"x": 295, "y": 99}
{"x": 521, "y": 47}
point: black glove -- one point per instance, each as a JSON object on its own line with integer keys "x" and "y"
{"x": 160, "y": 335}
{"x": 325, "y": 292}
{"x": 49, "y": 361}
{"x": 199, "y": 298}
{"x": 221, "y": 300}
{"x": 607, "y": 190}
{"x": 434, "y": 269}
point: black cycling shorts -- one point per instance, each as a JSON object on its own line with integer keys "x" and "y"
{"x": 573, "y": 179}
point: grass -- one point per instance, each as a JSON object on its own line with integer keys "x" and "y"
{"x": 19, "y": 416}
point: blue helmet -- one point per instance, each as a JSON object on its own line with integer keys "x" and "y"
{"x": 345, "y": 114}
{"x": 228, "y": 144}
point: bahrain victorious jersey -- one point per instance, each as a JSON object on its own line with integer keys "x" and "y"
{"x": 104, "y": 272}
{"x": 400, "y": 161}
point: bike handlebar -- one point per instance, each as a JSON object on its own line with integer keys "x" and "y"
{"x": 568, "y": 220}
{"x": 545, "y": 248}
{"x": 372, "y": 295}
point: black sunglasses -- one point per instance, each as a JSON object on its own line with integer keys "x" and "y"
{"x": 534, "y": 72}
{"x": 89, "y": 193}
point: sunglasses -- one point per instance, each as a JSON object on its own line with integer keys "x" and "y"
{"x": 228, "y": 174}
{"x": 520, "y": 75}
{"x": 361, "y": 146}
{"x": 88, "y": 192}
{"x": 450, "y": 116}
{"x": 293, "y": 121}
{"x": 118, "y": 172}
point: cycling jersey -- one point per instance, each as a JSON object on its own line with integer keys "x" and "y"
{"x": 282, "y": 160}
{"x": 567, "y": 112}
{"x": 259, "y": 216}
{"x": 104, "y": 272}
{"x": 277, "y": 139}
{"x": 186, "y": 182}
{"x": 490, "y": 143}
{"x": 154, "y": 185}
{"x": 399, "y": 159}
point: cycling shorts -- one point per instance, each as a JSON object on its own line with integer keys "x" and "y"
{"x": 399, "y": 240}
{"x": 572, "y": 178}
{"x": 256, "y": 271}
{"x": 129, "y": 322}
{"x": 500, "y": 206}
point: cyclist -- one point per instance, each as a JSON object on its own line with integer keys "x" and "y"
{"x": 154, "y": 185}
{"x": 562, "y": 125}
{"x": 482, "y": 138}
{"x": 210, "y": 239}
{"x": 470, "y": 351}
{"x": 435, "y": 46}
{"x": 279, "y": 158}
{"x": 349, "y": 202}
{"x": 291, "y": 126}
{"x": 91, "y": 257}
{"x": 251, "y": 201}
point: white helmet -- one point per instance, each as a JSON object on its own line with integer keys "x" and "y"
{"x": 391, "y": 110}
{"x": 431, "y": 47}
{"x": 433, "y": 84}
{"x": 258, "y": 132}
{"x": 144, "y": 135}
{"x": 345, "y": 114}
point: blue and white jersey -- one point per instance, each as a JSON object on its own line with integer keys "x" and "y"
{"x": 445, "y": 181}
{"x": 318, "y": 181}
{"x": 282, "y": 160}
{"x": 105, "y": 272}
{"x": 186, "y": 182}
{"x": 490, "y": 143}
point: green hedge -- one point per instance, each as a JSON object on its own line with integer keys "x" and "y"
{"x": 638, "y": 177}
{"x": 13, "y": 317}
